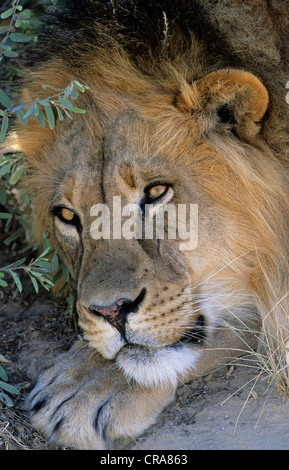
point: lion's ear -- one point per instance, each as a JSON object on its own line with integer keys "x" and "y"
{"x": 240, "y": 93}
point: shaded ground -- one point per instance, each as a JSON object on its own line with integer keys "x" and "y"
{"x": 33, "y": 331}
{"x": 225, "y": 410}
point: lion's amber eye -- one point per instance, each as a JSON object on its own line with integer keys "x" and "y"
{"x": 67, "y": 214}
{"x": 156, "y": 191}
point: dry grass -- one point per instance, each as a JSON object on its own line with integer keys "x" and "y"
{"x": 271, "y": 361}
{"x": 17, "y": 434}
{"x": 274, "y": 362}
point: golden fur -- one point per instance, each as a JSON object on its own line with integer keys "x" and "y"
{"x": 150, "y": 119}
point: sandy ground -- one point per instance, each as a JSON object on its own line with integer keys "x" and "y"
{"x": 232, "y": 408}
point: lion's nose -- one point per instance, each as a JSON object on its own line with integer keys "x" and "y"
{"x": 117, "y": 312}
{"x": 111, "y": 311}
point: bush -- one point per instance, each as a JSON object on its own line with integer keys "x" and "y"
{"x": 19, "y": 28}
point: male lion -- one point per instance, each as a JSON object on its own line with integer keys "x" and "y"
{"x": 186, "y": 106}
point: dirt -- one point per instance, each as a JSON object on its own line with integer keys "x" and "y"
{"x": 230, "y": 409}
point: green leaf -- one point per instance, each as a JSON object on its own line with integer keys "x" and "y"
{"x": 43, "y": 102}
{"x": 20, "y": 115}
{"x": 5, "y": 100}
{"x": 78, "y": 110}
{"x": 50, "y": 117}
{"x": 14, "y": 236}
{"x": 54, "y": 262}
{"x": 5, "y": 215}
{"x": 35, "y": 273}
{"x": 9, "y": 388}
{"x": 16, "y": 108}
{"x": 6, "y": 400}
{"x": 70, "y": 299}
{"x": 36, "y": 110}
{"x": 20, "y": 37}
{"x": 25, "y": 14}
{"x": 27, "y": 235}
{"x": 30, "y": 111}
{"x": 42, "y": 264}
{"x": 69, "y": 89}
{"x": 51, "y": 88}
{"x": 35, "y": 284}
{"x": 4, "y": 160}
{"x": 67, "y": 113}
{"x": 8, "y": 217}
{"x": 3, "y": 374}
{"x": 46, "y": 243}
{"x": 5, "y": 169}
{"x": 47, "y": 283}
{"x": 15, "y": 177}
{"x": 10, "y": 54}
{"x": 4, "y": 127}
{"x": 65, "y": 272}
{"x": 65, "y": 102}
{"x": 73, "y": 95}
{"x": 40, "y": 118}
{"x": 16, "y": 280}
{"x": 46, "y": 251}
{"x": 3, "y": 195}
{"x": 79, "y": 86}
{"x": 7, "y": 13}
{"x": 15, "y": 264}
{"x": 60, "y": 115}
{"x": 25, "y": 198}
{"x": 8, "y": 225}
{"x": 3, "y": 283}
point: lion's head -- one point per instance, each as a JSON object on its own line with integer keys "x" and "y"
{"x": 152, "y": 303}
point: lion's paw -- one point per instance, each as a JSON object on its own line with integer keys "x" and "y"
{"x": 84, "y": 402}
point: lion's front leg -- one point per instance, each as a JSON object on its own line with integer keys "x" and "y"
{"x": 85, "y": 402}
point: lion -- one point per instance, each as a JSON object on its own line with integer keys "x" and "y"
{"x": 185, "y": 106}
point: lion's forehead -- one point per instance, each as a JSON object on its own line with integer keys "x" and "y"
{"x": 122, "y": 157}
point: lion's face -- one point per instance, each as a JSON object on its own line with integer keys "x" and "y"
{"x": 150, "y": 283}
{"x": 153, "y": 303}
{"x": 146, "y": 301}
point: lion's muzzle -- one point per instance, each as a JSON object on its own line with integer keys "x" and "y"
{"x": 117, "y": 312}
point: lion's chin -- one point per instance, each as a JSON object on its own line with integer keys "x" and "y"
{"x": 157, "y": 367}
